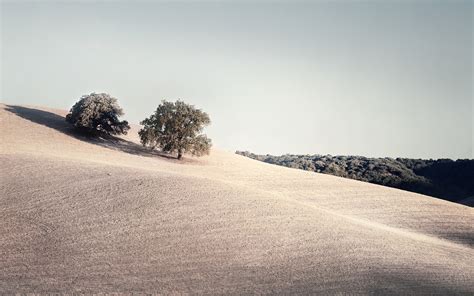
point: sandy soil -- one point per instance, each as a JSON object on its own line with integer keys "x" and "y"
{"x": 78, "y": 215}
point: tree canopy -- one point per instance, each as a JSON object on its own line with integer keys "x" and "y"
{"x": 98, "y": 114}
{"x": 176, "y": 127}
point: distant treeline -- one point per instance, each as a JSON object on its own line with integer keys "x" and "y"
{"x": 442, "y": 178}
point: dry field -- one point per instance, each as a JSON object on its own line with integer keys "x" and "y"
{"x": 93, "y": 216}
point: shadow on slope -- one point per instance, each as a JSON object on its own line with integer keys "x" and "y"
{"x": 59, "y": 123}
{"x": 396, "y": 280}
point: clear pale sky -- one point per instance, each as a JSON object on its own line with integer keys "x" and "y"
{"x": 359, "y": 78}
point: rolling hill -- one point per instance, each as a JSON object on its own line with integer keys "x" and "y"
{"x": 442, "y": 178}
{"x": 84, "y": 215}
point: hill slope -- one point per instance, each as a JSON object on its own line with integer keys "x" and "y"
{"x": 90, "y": 216}
{"x": 442, "y": 178}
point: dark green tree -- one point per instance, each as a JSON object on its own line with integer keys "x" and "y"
{"x": 98, "y": 114}
{"x": 176, "y": 127}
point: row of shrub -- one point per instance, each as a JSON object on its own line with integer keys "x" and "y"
{"x": 442, "y": 178}
{"x": 174, "y": 127}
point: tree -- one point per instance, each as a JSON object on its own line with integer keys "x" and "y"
{"x": 176, "y": 127}
{"x": 98, "y": 114}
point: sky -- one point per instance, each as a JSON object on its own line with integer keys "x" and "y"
{"x": 371, "y": 78}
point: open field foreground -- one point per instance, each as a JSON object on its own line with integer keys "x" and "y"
{"x": 93, "y": 216}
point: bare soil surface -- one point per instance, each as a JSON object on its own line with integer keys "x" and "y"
{"x": 90, "y": 216}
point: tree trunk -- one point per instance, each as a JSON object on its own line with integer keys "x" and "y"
{"x": 180, "y": 154}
